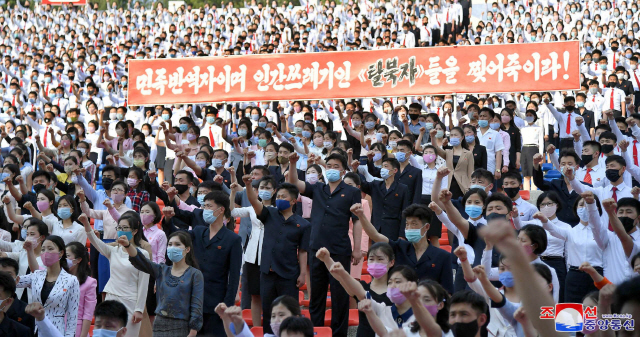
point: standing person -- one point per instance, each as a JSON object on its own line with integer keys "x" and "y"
{"x": 283, "y": 264}
{"x": 78, "y": 262}
{"x": 126, "y": 284}
{"x": 218, "y": 250}
{"x": 490, "y": 139}
{"x": 330, "y": 215}
{"x": 478, "y": 150}
{"x": 174, "y": 284}
{"x": 533, "y": 143}
{"x": 58, "y": 290}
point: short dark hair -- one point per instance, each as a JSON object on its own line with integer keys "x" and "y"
{"x": 570, "y": 153}
{"x": 288, "y": 302}
{"x": 628, "y": 291}
{"x": 617, "y": 159}
{"x": 407, "y": 272}
{"x": 156, "y": 210}
{"x": 508, "y": 203}
{"x": 338, "y": 157}
{"x": 393, "y": 162}
{"x": 404, "y": 142}
{"x": 353, "y": 176}
{"x": 609, "y": 135}
{"x": 419, "y": 211}
{"x": 42, "y": 227}
{"x": 470, "y": 297}
{"x": 297, "y": 324}
{"x": 629, "y": 202}
{"x": 597, "y": 202}
{"x": 291, "y": 189}
{"x": 538, "y": 236}
{"x": 41, "y": 173}
{"x": 187, "y": 173}
{"x": 551, "y": 195}
{"x": 482, "y": 173}
{"x": 593, "y": 144}
{"x": 544, "y": 271}
{"x": 9, "y": 262}
{"x": 7, "y": 283}
{"x": 112, "y": 309}
{"x": 221, "y": 199}
{"x": 513, "y": 175}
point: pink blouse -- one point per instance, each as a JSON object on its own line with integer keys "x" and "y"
{"x": 87, "y": 302}
{"x": 158, "y": 241}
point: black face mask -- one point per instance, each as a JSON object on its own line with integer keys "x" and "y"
{"x": 612, "y": 84}
{"x": 586, "y": 159}
{"x": 47, "y": 120}
{"x": 612, "y": 174}
{"x": 569, "y": 108}
{"x": 607, "y": 148}
{"x": 614, "y": 48}
{"x": 106, "y": 183}
{"x": 465, "y": 329}
{"x": 414, "y": 117}
{"x": 181, "y": 188}
{"x": 38, "y": 187}
{"x": 627, "y": 223}
{"x": 511, "y": 191}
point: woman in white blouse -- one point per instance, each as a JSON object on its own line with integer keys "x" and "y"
{"x": 43, "y": 212}
{"x": 580, "y": 247}
{"x": 54, "y": 287}
{"x": 67, "y": 227}
{"x": 253, "y": 248}
{"x": 126, "y": 284}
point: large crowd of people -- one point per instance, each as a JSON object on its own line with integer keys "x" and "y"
{"x": 436, "y": 215}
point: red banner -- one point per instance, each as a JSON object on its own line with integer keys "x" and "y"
{"x": 376, "y": 73}
{"x": 64, "y": 2}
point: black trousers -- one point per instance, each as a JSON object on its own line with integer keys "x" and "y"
{"x": 578, "y": 284}
{"x": 566, "y": 143}
{"x": 212, "y": 326}
{"x": 273, "y": 286}
{"x": 320, "y": 280}
{"x": 436, "y": 37}
{"x": 561, "y": 270}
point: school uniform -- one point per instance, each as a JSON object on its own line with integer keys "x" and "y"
{"x": 209, "y": 174}
{"x": 567, "y": 124}
{"x": 9, "y": 327}
{"x": 410, "y": 176}
{"x": 283, "y": 240}
{"x": 16, "y": 313}
{"x": 559, "y": 186}
{"x": 330, "y": 215}
{"x": 387, "y": 208}
{"x": 434, "y": 263}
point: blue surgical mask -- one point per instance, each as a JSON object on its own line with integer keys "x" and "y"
{"x": 208, "y": 216}
{"x": 413, "y": 235}
{"x": 370, "y": 125}
{"x": 200, "y": 198}
{"x": 473, "y": 211}
{"x": 217, "y": 163}
{"x": 476, "y": 186}
{"x": 175, "y": 254}
{"x": 495, "y": 126}
{"x": 64, "y": 213}
{"x": 282, "y": 204}
{"x": 506, "y": 278}
{"x": 210, "y": 120}
{"x": 401, "y": 156}
{"x": 306, "y": 134}
{"x": 165, "y": 117}
{"x": 529, "y": 119}
{"x": 3, "y": 176}
{"x": 128, "y": 234}
{"x": 454, "y": 141}
{"x": 384, "y": 173}
{"x": 333, "y": 175}
{"x": 470, "y": 139}
{"x": 483, "y": 123}
{"x": 184, "y": 127}
{"x": 265, "y": 195}
{"x": 242, "y": 132}
{"x": 429, "y": 126}
{"x": 105, "y": 333}
{"x": 262, "y": 124}
{"x": 23, "y": 233}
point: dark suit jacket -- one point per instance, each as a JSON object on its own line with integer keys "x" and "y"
{"x": 560, "y": 187}
{"x": 411, "y": 177}
{"x": 386, "y": 213}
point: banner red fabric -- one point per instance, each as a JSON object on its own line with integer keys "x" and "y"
{"x": 376, "y": 73}
{"x": 64, "y": 2}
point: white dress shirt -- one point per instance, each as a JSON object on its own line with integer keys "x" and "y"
{"x": 493, "y": 142}
{"x": 526, "y": 210}
{"x": 616, "y": 267}
{"x": 603, "y": 192}
{"x": 615, "y": 94}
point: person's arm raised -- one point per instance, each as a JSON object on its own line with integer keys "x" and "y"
{"x": 533, "y": 295}
{"x": 371, "y": 231}
{"x": 453, "y": 213}
{"x": 252, "y": 196}
{"x": 374, "y": 321}
{"x": 293, "y": 173}
{"x": 423, "y": 317}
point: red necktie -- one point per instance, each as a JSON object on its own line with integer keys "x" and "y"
{"x": 569, "y": 125}
{"x": 45, "y": 136}
{"x": 635, "y": 152}
{"x": 612, "y": 106}
{"x": 615, "y": 197}
{"x": 13, "y": 102}
{"x": 438, "y": 112}
{"x": 447, "y": 15}
{"x": 587, "y": 177}
{"x": 614, "y": 60}
{"x": 213, "y": 141}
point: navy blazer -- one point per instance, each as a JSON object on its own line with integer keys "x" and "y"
{"x": 386, "y": 211}
{"x": 435, "y": 263}
{"x": 330, "y": 214}
{"x": 220, "y": 259}
{"x": 568, "y": 199}
{"x": 410, "y": 176}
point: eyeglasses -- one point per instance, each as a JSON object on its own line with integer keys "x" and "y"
{"x": 549, "y": 204}
{"x": 126, "y": 229}
{"x": 117, "y": 190}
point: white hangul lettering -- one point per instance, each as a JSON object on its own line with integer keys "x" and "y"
{"x": 239, "y": 77}
{"x": 533, "y": 66}
{"x": 327, "y": 74}
{"x": 434, "y": 70}
{"x": 294, "y": 76}
{"x": 144, "y": 82}
{"x": 277, "y": 77}
{"x": 262, "y": 77}
{"x": 176, "y": 80}
{"x": 550, "y": 66}
{"x": 513, "y": 66}
{"x": 342, "y": 75}
{"x": 492, "y": 68}
{"x": 210, "y": 77}
{"x": 160, "y": 81}
{"x": 453, "y": 69}
{"x": 478, "y": 69}
{"x": 311, "y": 75}
{"x": 192, "y": 79}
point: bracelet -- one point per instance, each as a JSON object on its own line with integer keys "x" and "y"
{"x": 465, "y": 259}
{"x": 127, "y": 246}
